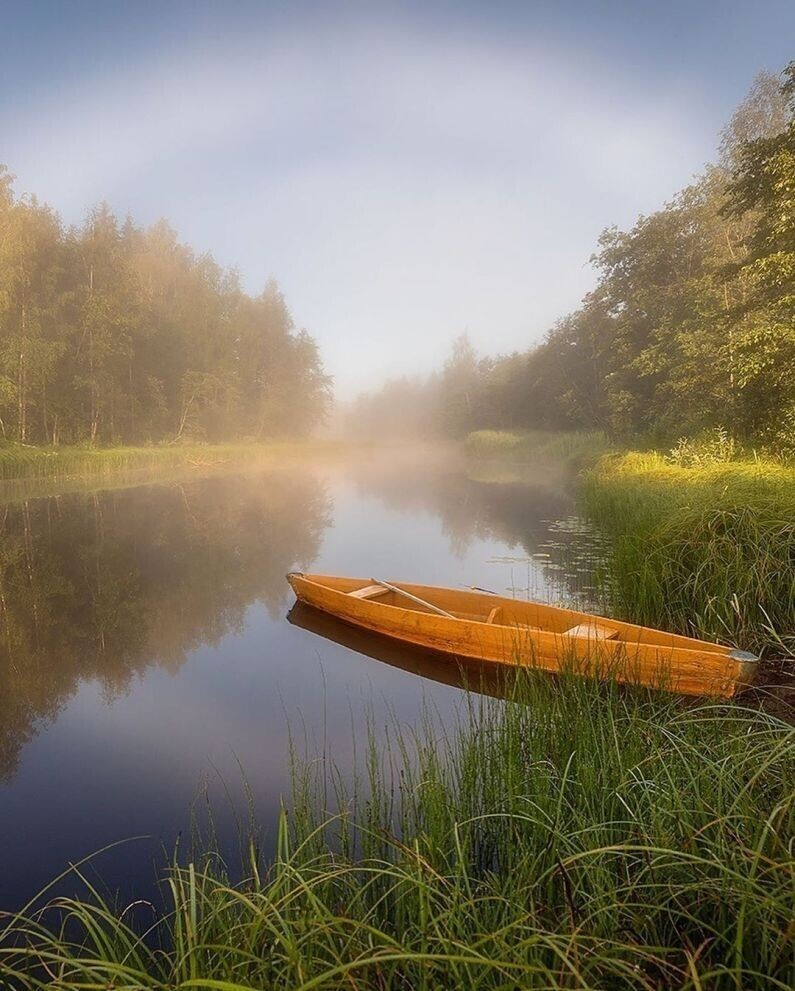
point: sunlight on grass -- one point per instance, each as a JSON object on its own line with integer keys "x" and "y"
{"x": 21, "y": 461}
{"x": 708, "y": 550}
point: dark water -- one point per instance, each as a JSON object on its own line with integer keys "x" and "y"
{"x": 148, "y": 649}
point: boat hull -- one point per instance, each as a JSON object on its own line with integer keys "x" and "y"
{"x": 530, "y": 635}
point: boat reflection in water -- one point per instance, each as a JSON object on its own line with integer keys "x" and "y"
{"x": 459, "y": 672}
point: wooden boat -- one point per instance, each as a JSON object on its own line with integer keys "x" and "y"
{"x": 493, "y": 628}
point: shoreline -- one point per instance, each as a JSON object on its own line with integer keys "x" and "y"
{"x": 42, "y": 472}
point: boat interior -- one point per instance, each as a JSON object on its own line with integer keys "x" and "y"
{"x": 483, "y": 607}
{"x": 498, "y": 615}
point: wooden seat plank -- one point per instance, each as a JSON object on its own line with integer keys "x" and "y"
{"x": 369, "y": 592}
{"x": 593, "y": 631}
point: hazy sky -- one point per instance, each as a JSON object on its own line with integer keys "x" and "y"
{"x": 406, "y": 171}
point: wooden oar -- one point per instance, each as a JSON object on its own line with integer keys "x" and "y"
{"x": 414, "y": 598}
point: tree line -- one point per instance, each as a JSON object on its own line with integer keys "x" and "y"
{"x": 111, "y": 333}
{"x": 691, "y": 325}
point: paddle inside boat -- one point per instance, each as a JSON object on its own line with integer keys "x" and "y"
{"x": 500, "y": 630}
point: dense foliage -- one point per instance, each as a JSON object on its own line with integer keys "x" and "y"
{"x": 691, "y": 324}
{"x": 114, "y": 334}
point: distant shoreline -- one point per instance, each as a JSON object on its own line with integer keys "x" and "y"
{"x": 21, "y": 463}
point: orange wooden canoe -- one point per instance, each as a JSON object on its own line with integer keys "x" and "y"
{"x": 500, "y": 630}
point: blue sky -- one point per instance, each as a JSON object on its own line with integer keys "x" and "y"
{"x": 406, "y": 171}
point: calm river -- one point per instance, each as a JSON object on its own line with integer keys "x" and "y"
{"x": 149, "y": 660}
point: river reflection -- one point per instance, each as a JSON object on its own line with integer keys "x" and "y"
{"x": 145, "y": 645}
{"x": 101, "y": 587}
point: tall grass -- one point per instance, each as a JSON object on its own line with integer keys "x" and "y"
{"x": 22, "y": 461}
{"x": 575, "y": 836}
{"x": 707, "y": 549}
{"x": 578, "y": 447}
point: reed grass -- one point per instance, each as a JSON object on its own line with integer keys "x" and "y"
{"x": 574, "y": 836}
{"x": 577, "y": 447}
{"x": 22, "y": 461}
{"x": 707, "y": 550}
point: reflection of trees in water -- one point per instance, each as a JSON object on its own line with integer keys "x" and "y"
{"x": 514, "y": 510}
{"x": 532, "y": 509}
{"x": 102, "y": 586}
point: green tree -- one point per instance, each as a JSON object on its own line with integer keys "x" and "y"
{"x": 112, "y": 333}
{"x": 763, "y": 184}
{"x": 459, "y": 388}
{"x": 30, "y": 260}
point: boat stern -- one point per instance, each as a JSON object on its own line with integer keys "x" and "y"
{"x": 747, "y": 667}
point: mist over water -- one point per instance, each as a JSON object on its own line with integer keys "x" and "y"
{"x": 150, "y": 656}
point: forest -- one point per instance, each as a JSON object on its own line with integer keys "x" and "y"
{"x": 115, "y": 334}
{"x": 690, "y": 327}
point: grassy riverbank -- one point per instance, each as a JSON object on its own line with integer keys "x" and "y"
{"x": 580, "y": 836}
{"x": 707, "y": 549}
{"x": 703, "y": 539}
{"x": 21, "y": 461}
{"x": 583, "y": 447}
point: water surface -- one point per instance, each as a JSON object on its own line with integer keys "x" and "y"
{"x": 149, "y": 650}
